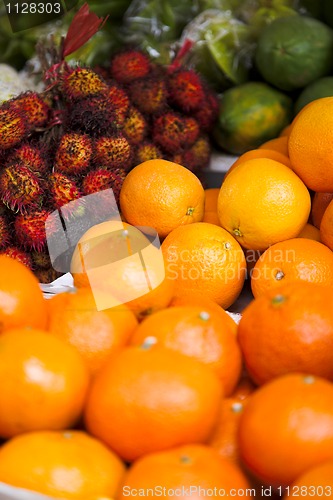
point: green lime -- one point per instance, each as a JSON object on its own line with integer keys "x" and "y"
{"x": 294, "y": 51}
{"x": 320, "y": 88}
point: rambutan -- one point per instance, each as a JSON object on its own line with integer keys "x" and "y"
{"x": 101, "y": 179}
{"x": 174, "y": 132}
{"x": 40, "y": 259}
{"x": 73, "y": 154}
{"x": 13, "y": 126}
{"x": 197, "y": 156}
{"x": 63, "y": 189}
{"x": 186, "y": 89}
{"x": 147, "y": 151}
{"x": 31, "y": 157}
{"x": 34, "y": 107}
{"x": 208, "y": 113}
{"x": 149, "y": 95}
{"x": 80, "y": 83}
{"x": 4, "y": 231}
{"x": 135, "y": 126}
{"x": 20, "y": 188}
{"x": 92, "y": 116}
{"x": 119, "y": 101}
{"x": 113, "y": 151}
{"x": 129, "y": 65}
{"x": 30, "y": 229}
{"x": 20, "y": 255}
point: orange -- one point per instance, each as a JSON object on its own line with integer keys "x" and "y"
{"x": 287, "y": 427}
{"x": 315, "y": 483}
{"x": 196, "y": 299}
{"x": 162, "y": 195}
{"x": 192, "y": 470}
{"x": 310, "y": 231}
{"x": 68, "y": 464}
{"x": 210, "y": 213}
{"x": 43, "y": 382}
{"x": 121, "y": 265}
{"x": 310, "y": 145}
{"x": 262, "y": 202}
{"x": 199, "y": 333}
{"x": 95, "y": 334}
{"x": 150, "y": 398}
{"x": 320, "y": 202}
{"x": 225, "y": 435}
{"x": 326, "y": 226}
{"x": 286, "y": 329}
{"x": 300, "y": 259}
{"x": 261, "y": 153}
{"x": 279, "y": 144}
{"x": 206, "y": 259}
{"x": 21, "y": 299}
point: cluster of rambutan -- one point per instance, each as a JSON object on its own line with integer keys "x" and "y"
{"x": 85, "y": 132}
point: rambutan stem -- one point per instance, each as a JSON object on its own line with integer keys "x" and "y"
{"x": 178, "y": 60}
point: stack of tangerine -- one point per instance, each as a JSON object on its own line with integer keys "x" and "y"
{"x": 165, "y": 394}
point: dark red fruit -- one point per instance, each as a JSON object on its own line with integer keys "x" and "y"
{"x": 174, "y": 132}
{"x": 149, "y": 95}
{"x": 114, "y": 151}
{"x": 20, "y": 188}
{"x": 30, "y": 229}
{"x": 129, "y": 65}
{"x": 34, "y": 107}
{"x": 135, "y": 126}
{"x": 74, "y": 154}
{"x": 101, "y": 179}
{"x": 63, "y": 189}
{"x": 186, "y": 89}
{"x": 13, "y": 126}
{"x": 81, "y": 83}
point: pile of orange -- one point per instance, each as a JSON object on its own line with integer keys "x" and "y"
{"x": 139, "y": 381}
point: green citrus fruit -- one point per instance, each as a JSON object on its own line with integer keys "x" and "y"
{"x": 294, "y": 51}
{"x": 320, "y": 88}
{"x": 250, "y": 114}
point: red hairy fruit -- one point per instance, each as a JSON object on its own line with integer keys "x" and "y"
{"x": 13, "y": 126}
{"x": 113, "y": 151}
{"x": 20, "y": 188}
{"x": 147, "y": 151}
{"x": 81, "y": 83}
{"x": 208, "y": 113}
{"x": 135, "y": 126}
{"x": 30, "y": 229}
{"x": 34, "y": 107}
{"x": 73, "y": 154}
{"x": 129, "y": 65}
{"x": 62, "y": 189}
{"x": 174, "y": 132}
{"x": 197, "y": 156}
{"x": 40, "y": 259}
{"x": 31, "y": 157}
{"x": 93, "y": 116}
{"x": 101, "y": 179}
{"x": 19, "y": 255}
{"x": 4, "y": 231}
{"x": 186, "y": 89}
{"x": 150, "y": 94}
{"x": 119, "y": 101}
